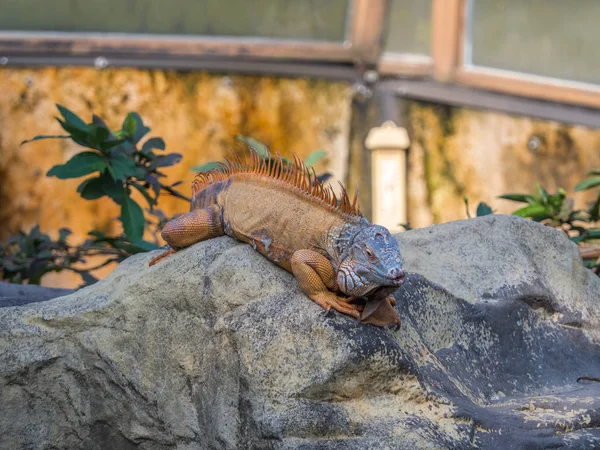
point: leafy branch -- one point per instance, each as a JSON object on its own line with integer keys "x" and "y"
{"x": 115, "y": 165}
{"x": 119, "y": 165}
{"x": 556, "y": 210}
{"x": 29, "y": 256}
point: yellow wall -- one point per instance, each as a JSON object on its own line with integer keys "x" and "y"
{"x": 197, "y": 114}
{"x": 455, "y": 151}
{"x": 483, "y": 154}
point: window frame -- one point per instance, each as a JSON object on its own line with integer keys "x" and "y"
{"x": 141, "y": 46}
{"x": 447, "y": 64}
{"x": 361, "y": 49}
{"x": 518, "y": 83}
{"x": 361, "y": 43}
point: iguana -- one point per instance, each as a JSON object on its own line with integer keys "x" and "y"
{"x": 298, "y": 223}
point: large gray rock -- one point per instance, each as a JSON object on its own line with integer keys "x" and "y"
{"x": 22, "y": 294}
{"x": 216, "y": 348}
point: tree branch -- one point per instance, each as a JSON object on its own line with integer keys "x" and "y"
{"x": 174, "y": 193}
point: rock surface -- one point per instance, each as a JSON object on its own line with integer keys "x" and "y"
{"x": 216, "y": 348}
{"x": 22, "y": 294}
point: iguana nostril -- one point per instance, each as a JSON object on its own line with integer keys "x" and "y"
{"x": 397, "y": 274}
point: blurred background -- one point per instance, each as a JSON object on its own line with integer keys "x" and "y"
{"x": 495, "y": 96}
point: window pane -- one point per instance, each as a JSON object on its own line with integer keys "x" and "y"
{"x": 298, "y": 19}
{"x": 409, "y": 27}
{"x": 555, "y": 38}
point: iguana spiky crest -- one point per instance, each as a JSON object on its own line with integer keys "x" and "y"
{"x": 297, "y": 176}
{"x": 298, "y": 223}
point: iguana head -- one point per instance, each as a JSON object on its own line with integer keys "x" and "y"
{"x": 372, "y": 260}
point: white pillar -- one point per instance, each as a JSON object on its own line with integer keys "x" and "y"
{"x": 388, "y": 145}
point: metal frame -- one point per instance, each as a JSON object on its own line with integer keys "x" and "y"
{"x": 341, "y": 72}
{"x": 144, "y": 46}
{"x": 516, "y": 83}
{"x": 407, "y": 65}
{"x": 450, "y": 63}
{"x": 452, "y": 94}
{"x": 446, "y": 28}
{"x": 362, "y": 44}
{"x": 368, "y": 20}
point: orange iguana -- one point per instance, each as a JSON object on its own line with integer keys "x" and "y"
{"x": 290, "y": 217}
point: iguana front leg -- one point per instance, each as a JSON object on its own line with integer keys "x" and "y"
{"x": 195, "y": 226}
{"x": 316, "y": 278}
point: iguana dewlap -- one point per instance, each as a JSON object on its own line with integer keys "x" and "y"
{"x": 291, "y": 218}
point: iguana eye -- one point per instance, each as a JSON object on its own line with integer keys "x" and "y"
{"x": 370, "y": 254}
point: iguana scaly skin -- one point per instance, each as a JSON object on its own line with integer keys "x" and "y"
{"x": 291, "y": 218}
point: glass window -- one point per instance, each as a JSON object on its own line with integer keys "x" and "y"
{"x": 409, "y": 27}
{"x": 555, "y": 38}
{"x": 298, "y": 19}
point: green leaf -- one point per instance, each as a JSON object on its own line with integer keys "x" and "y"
{"x": 206, "y": 167}
{"x": 87, "y": 278}
{"x": 79, "y": 165}
{"x": 595, "y": 210}
{"x": 130, "y": 125}
{"x": 153, "y": 143}
{"x": 107, "y": 145}
{"x": 122, "y": 167}
{"x": 143, "y": 246}
{"x": 523, "y": 198}
{"x": 588, "y": 183}
{"x": 589, "y": 235}
{"x": 98, "y": 121}
{"x": 44, "y": 254}
{"x": 139, "y": 246}
{"x": 257, "y": 146}
{"x": 145, "y": 193}
{"x": 315, "y": 157}
{"x": 530, "y": 211}
{"x": 593, "y": 234}
{"x": 134, "y": 127}
{"x": 483, "y": 209}
{"x": 324, "y": 177}
{"x": 72, "y": 118}
{"x": 94, "y": 188}
{"x": 63, "y": 234}
{"x": 142, "y": 130}
{"x": 114, "y": 189}
{"x": 8, "y": 266}
{"x": 91, "y": 189}
{"x": 154, "y": 183}
{"x": 594, "y": 172}
{"x": 132, "y": 217}
{"x": 99, "y": 235}
{"x": 78, "y": 135}
{"x": 165, "y": 161}
{"x": 100, "y": 134}
{"x": 38, "y": 138}
{"x": 542, "y": 194}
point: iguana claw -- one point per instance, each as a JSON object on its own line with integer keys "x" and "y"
{"x": 327, "y": 312}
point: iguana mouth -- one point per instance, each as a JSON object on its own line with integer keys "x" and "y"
{"x": 396, "y": 278}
